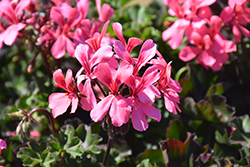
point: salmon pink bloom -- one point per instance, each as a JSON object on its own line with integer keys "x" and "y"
{"x": 105, "y": 12}
{"x": 95, "y": 41}
{"x": 232, "y": 3}
{"x": 237, "y": 17}
{"x": 167, "y": 86}
{"x": 10, "y": 10}
{"x": 63, "y": 41}
{"x": 190, "y": 13}
{"x": 147, "y": 52}
{"x": 59, "y": 102}
{"x": 142, "y": 96}
{"x": 117, "y": 106}
{"x": 211, "y": 46}
{"x": 88, "y": 61}
{"x": 132, "y": 42}
{"x": 3, "y": 145}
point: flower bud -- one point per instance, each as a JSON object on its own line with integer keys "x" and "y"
{"x": 16, "y": 115}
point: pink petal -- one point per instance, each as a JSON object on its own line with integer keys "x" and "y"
{"x": 132, "y": 43}
{"x": 202, "y": 3}
{"x": 188, "y": 53}
{"x": 57, "y": 16}
{"x": 119, "y": 111}
{"x": 59, "y": 79}
{"x": 205, "y": 13}
{"x": 107, "y": 12}
{"x": 245, "y": 31}
{"x": 70, "y": 46}
{"x": 148, "y": 94}
{"x": 124, "y": 71}
{"x": 218, "y": 44}
{"x": 89, "y": 102}
{"x": 68, "y": 78}
{"x": 58, "y": 48}
{"x": 10, "y": 34}
{"x": 122, "y": 52}
{"x": 74, "y": 17}
{"x": 147, "y": 52}
{"x": 207, "y": 58}
{"x": 74, "y": 104}
{"x": 229, "y": 46}
{"x": 231, "y": 3}
{"x": 21, "y": 5}
{"x": 105, "y": 52}
{"x": 169, "y": 104}
{"x": 150, "y": 76}
{"x": 101, "y": 109}
{"x": 83, "y": 6}
{"x": 103, "y": 74}
{"x": 117, "y": 27}
{"x": 138, "y": 118}
{"x": 3, "y": 144}
{"x": 150, "y": 111}
{"x": 216, "y": 23}
{"x": 59, "y": 103}
{"x": 81, "y": 54}
{"x": 65, "y": 8}
{"x": 175, "y": 85}
{"x": 227, "y": 14}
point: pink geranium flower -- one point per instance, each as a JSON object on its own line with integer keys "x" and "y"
{"x": 88, "y": 61}
{"x": 119, "y": 110}
{"x": 9, "y": 11}
{"x": 63, "y": 41}
{"x": 190, "y": 13}
{"x": 167, "y": 86}
{"x": 232, "y": 3}
{"x": 237, "y": 17}
{"x": 211, "y": 46}
{"x": 3, "y": 145}
{"x": 132, "y": 42}
{"x": 59, "y": 102}
{"x": 142, "y": 96}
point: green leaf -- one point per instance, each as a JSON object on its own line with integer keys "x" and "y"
{"x": 179, "y": 153}
{"x": 144, "y": 163}
{"x": 176, "y": 130}
{"x": 246, "y": 124}
{"x": 81, "y": 132}
{"x": 206, "y": 110}
{"x": 152, "y": 155}
{"x": 223, "y": 111}
{"x": 216, "y": 89}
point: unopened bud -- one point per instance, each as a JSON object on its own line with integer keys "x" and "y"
{"x": 16, "y": 115}
{"x": 19, "y": 128}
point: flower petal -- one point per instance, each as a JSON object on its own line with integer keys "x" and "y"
{"x": 58, "y": 48}
{"x": 101, "y": 109}
{"x": 59, "y": 103}
{"x": 138, "y": 118}
{"x": 188, "y": 53}
{"x": 89, "y": 102}
{"x": 119, "y": 111}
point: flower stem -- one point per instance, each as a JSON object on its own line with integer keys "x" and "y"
{"x": 107, "y": 151}
{"x": 51, "y": 119}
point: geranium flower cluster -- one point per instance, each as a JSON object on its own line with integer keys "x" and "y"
{"x": 112, "y": 83}
{"x": 203, "y": 30}
{"x": 59, "y": 29}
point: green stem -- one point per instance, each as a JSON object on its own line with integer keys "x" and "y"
{"x": 51, "y": 119}
{"x": 107, "y": 151}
